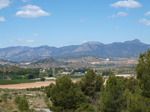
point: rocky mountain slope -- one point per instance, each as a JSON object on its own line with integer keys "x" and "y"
{"x": 96, "y": 49}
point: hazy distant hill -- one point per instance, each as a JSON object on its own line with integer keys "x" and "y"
{"x": 7, "y": 62}
{"x": 82, "y": 62}
{"x": 47, "y": 63}
{"x": 96, "y": 49}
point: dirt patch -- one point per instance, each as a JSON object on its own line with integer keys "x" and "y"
{"x": 26, "y": 85}
{"x": 30, "y": 85}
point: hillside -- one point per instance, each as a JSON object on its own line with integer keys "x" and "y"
{"x": 44, "y": 63}
{"x": 82, "y": 62}
{"x": 7, "y": 62}
{"x": 96, "y": 49}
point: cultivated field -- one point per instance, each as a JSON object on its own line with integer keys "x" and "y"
{"x": 30, "y": 85}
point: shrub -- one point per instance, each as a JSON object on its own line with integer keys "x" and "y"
{"x": 42, "y": 79}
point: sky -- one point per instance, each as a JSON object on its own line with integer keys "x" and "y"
{"x": 72, "y": 22}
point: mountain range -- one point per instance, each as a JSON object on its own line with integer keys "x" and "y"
{"x": 96, "y": 49}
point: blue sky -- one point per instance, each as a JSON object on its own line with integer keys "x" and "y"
{"x": 72, "y": 22}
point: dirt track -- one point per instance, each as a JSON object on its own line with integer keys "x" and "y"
{"x": 29, "y": 85}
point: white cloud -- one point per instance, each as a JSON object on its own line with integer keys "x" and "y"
{"x": 126, "y": 4}
{"x": 148, "y": 13}
{"x": 83, "y": 20}
{"x": 2, "y": 19}
{"x": 145, "y": 21}
{"x": 31, "y": 11}
{"x": 122, "y": 14}
{"x": 25, "y": 40}
{"x": 26, "y": 0}
{"x": 119, "y": 14}
{"x": 4, "y": 3}
{"x": 35, "y": 34}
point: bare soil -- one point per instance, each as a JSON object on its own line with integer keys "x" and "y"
{"x": 30, "y": 85}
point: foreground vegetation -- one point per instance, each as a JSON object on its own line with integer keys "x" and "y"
{"x": 90, "y": 94}
{"x": 26, "y": 100}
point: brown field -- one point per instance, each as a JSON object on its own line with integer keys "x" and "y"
{"x": 30, "y": 85}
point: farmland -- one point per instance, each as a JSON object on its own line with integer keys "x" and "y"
{"x": 30, "y": 85}
{"x": 8, "y": 82}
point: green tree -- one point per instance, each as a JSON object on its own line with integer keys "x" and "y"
{"x": 106, "y": 73}
{"x": 4, "y": 97}
{"x": 50, "y": 73}
{"x": 48, "y": 89}
{"x": 112, "y": 99}
{"x": 23, "y": 104}
{"x": 91, "y": 83}
{"x": 65, "y": 95}
{"x": 143, "y": 73}
{"x": 136, "y": 102}
{"x": 17, "y": 99}
{"x": 86, "y": 107}
{"x": 99, "y": 82}
{"x": 42, "y": 79}
{"x": 106, "y": 102}
{"x": 29, "y": 76}
{"x": 88, "y": 83}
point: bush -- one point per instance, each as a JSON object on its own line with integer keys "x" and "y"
{"x": 17, "y": 99}
{"x": 4, "y": 97}
{"x": 22, "y": 103}
{"x": 42, "y": 79}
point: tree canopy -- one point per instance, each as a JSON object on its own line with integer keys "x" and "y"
{"x": 65, "y": 95}
{"x": 143, "y": 73}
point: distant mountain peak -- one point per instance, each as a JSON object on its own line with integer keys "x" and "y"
{"x": 93, "y": 43}
{"x": 134, "y": 41}
{"x": 88, "y": 46}
{"x": 137, "y": 41}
